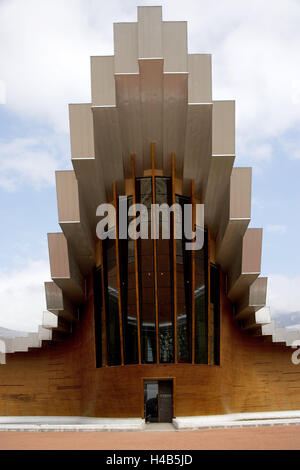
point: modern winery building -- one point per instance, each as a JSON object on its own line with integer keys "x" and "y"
{"x": 144, "y": 327}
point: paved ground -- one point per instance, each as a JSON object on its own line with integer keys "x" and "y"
{"x": 264, "y": 437}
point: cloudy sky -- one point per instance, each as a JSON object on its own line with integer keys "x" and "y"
{"x": 45, "y": 48}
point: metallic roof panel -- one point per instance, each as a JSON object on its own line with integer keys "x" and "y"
{"x": 200, "y": 78}
{"x": 216, "y": 189}
{"x": 198, "y": 145}
{"x": 150, "y": 32}
{"x": 174, "y": 36}
{"x": 174, "y": 120}
{"x": 151, "y": 92}
{"x": 102, "y": 81}
{"x": 223, "y": 128}
{"x": 81, "y": 130}
{"x": 108, "y": 147}
{"x": 126, "y": 47}
{"x": 129, "y": 109}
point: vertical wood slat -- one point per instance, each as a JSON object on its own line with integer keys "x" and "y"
{"x": 209, "y": 313}
{"x": 174, "y": 262}
{"x": 142, "y": 398}
{"x": 103, "y": 315}
{"x": 193, "y": 272}
{"x": 221, "y": 286}
{"x": 98, "y": 265}
{"x": 118, "y": 271}
{"x": 136, "y": 262}
{"x": 155, "y": 254}
{"x": 174, "y": 397}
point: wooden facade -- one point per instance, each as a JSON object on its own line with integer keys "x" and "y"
{"x": 152, "y": 115}
{"x": 62, "y": 378}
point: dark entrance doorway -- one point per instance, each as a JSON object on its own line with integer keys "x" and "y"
{"x": 158, "y": 401}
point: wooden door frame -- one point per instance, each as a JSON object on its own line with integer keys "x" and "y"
{"x": 156, "y": 379}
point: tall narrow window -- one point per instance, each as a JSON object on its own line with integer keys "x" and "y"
{"x": 146, "y": 278}
{"x": 215, "y": 311}
{"x": 157, "y": 263}
{"x": 201, "y": 330}
{"x": 164, "y": 249}
{"x": 183, "y": 271}
{"x": 111, "y": 302}
{"x": 97, "y": 315}
{"x": 128, "y": 296}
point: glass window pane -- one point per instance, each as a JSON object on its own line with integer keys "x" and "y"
{"x": 164, "y": 254}
{"x": 111, "y": 302}
{"x": 98, "y": 314}
{"x": 128, "y": 296}
{"x": 201, "y": 330}
{"x": 215, "y": 304}
{"x": 184, "y": 315}
{"x": 146, "y": 279}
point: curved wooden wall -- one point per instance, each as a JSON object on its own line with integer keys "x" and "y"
{"x": 62, "y": 379}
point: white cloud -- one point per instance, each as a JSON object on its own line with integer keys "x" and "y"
{"x": 283, "y": 294}
{"x": 2, "y": 92}
{"x": 27, "y": 161}
{"x": 256, "y": 61}
{"x": 281, "y": 229}
{"x": 257, "y": 152}
{"x": 259, "y": 203}
{"x": 45, "y": 49}
{"x": 22, "y": 297}
{"x": 291, "y": 147}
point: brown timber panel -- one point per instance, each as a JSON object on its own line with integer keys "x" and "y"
{"x": 210, "y": 323}
{"x": 61, "y": 379}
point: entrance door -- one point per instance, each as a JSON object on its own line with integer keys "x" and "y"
{"x": 165, "y": 401}
{"x": 158, "y": 401}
